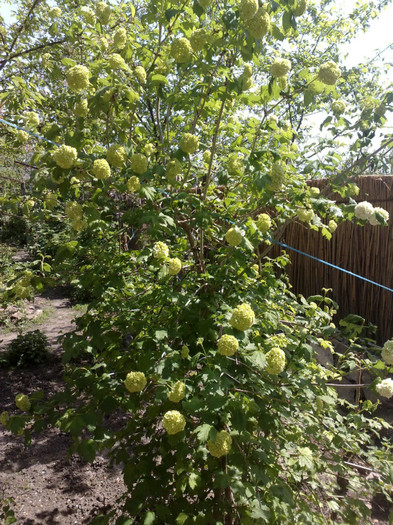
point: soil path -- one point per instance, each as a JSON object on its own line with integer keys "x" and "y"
{"x": 47, "y": 488}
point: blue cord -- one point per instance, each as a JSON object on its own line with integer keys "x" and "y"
{"x": 29, "y": 132}
{"x": 331, "y": 265}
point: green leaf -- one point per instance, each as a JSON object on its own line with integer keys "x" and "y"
{"x": 160, "y": 79}
{"x": 181, "y": 518}
{"x": 170, "y": 13}
{"x": 150, "y": 518}
{"x": 260, "y": 511}
{"x": 203, "y": 432}
{"x": 87, "y": 449}
{"x": 160, "y": 335}
{"x": 286, "y": 22}
{"x": 194, "y": 480}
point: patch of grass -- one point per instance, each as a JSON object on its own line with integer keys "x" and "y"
{"x": 23, "y": 324}
{"x": 82, "y": 308}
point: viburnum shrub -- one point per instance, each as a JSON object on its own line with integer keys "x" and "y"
{"x": 177, "y": 151}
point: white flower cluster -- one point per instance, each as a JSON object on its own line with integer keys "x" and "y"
{"x": 366, "y": 212}
{"x": 385, "y": 388}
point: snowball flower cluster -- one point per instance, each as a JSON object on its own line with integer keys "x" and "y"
{"x": 116, "y": 155}
{"x": 235, "y": 165}
{"x": 173, "y": 169}
{"x": 149, "y": 149}
{"x": 247, "y": 72}
{"x": 221, "y": 445}
{"x": 227, "y": 345}
{"x": 101, "y": 169}
{"x": 280, "y": 67}
{"x": 259, "y": 24}
{"x": 329, "y": 73}
{"x": 173, "y": 422}
{"x": 387, "y": 352}
{"x": 22, "y": 402}
{"x": 304, "y": 214}
{"x": 140, "y": 74}
{"x": 181, "y": 50}
{"x": 206, "y": 157}
{"x": 198, "y": 39}
{"x": 364, "y": 210}
{"x": 275, "y": 361}
{"x": 73, "y": 210}
{"x": 264, "y": 222}
{"x": 248, "y": 9}
{"x": 116, "y": 61}
{"x": 133, "y": 184}
{"x": 65, "y": 156}
{"x": 160, "y": 250}
{"x": 88, "y": 16}
{"x": 81, "y": 108}
{"x": 301, "y": 6}
{"x": 135, "y": 381}
{"x": 46, "y": 60}
{"x": 174, "y": 266}
{"x": 21, "y": 136}
{"x": 103, "y": 12}
{"x": 234, "y": 236}
{"x": 184, "y": 351}
{"x": 78, "y": 78}
{"x": 50, "y": 201}
{"x": 314, "y": 191}
{"x": 243, "y": 317}
{"x": 338, "y": 107}
{"x": 189, "y": 143}
{"x": 178, "y": 392}
{"x": 277, "y": 176}
{"x": 138, "y": 163}
{"x": 120, "y": 38}
{"x": 373, "y": 220}
{"x": 332, "y": 226}
{"x": 385, "y": 388}
{"x": 55, "y": 12}
{"x": 32, "y": 118}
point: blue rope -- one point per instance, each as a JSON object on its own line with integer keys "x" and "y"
{"x": 331, "y": 265}
{"x": 29, "y": 132}
{"x": 272, "y": 240}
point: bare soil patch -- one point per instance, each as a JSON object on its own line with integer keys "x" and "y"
{"x": 47, "y": 487}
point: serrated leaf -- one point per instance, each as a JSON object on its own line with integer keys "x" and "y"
{"x": 164, "y": 272}
{"x": 160, "y": 335}
{"x": 203, "y": 432}
{"x": 193, "y": 480}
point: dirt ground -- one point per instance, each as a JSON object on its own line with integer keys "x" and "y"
{"x": 47, "y": 488}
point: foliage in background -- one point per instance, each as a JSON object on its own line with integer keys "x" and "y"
{"x": 27, "y": 350}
